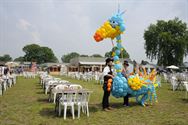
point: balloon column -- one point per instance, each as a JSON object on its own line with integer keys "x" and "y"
{"x": 135, "y": 86}
{"x": 113, "y": 28}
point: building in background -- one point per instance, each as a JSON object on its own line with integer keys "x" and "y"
{"x": 86, "y": 64}
{"x": 52, "y": 68}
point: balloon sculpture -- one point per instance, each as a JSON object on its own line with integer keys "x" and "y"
{"x": 135, "y": 86}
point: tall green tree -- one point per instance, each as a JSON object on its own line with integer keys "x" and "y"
{"x": 66, "y": 58}
{"x": 167, "y": 42}
{"x": 34, "y": 52}
{"x": 31, "y": 52}
{"x": 123, "y": 53}
{"x": 20, "y": 59}
{"x": 6, "y": 58}
{"x": 46, "y": 54}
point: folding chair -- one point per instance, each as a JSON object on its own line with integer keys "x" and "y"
{"x": 67, "y": 99}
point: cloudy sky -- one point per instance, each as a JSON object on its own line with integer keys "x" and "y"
{"x": 68, "y": 25}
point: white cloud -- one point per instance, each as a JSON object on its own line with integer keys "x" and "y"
{"x": 25, "y": 25}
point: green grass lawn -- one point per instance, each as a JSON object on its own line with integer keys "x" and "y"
{"x": 26, "y": 104}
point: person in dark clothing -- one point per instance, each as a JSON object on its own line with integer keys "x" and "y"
{"x": 6, "y": 70}
{"x": 126, "y": 73}
{"x": 108, "y": 74}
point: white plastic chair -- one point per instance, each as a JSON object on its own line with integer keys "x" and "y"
{"x": 82, "y": 101}
{"x": 57, "y": 79}
{"x": 5, "y": 85}
{"x": 186, "y": 88}
{"x": 75, "y": 86}
{"x": 33, "y": 75}
{"x": 158, "y": 79}
{"x": 174, "y": 83}
{"x": 59, "y": 88}
{"x": 14, "y": 79}
{"x": 77, "y": 75}
{"x": 10, "y": 82}
{"x": 67, "y": 99}
{"x": 45, "y": 80}
{"x": 165, "y": 76}
{"x": 63, "y": 81}
{"x": 97, "y": 77}
{"x": 48, "y": 85}
{"x": 1, "y": 86}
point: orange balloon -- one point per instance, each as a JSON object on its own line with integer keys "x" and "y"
{"x": 109, "y": 85}
{"x": 108, "y": 89}
{"x": 110, "y": 80}
{"x": 98, "y": 37}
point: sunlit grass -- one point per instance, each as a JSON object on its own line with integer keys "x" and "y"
{"x": 26, "y": 104}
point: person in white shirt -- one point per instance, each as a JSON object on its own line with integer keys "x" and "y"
{"x": 108, "y": 74}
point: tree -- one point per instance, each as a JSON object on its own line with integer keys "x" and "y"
{"x": 123, "y": 53}
{"x": 84, "y": 56}
{"x": 96, "y": 55}
{"x": 6, "y": 58}
{"x": 108, "y": 54}
{"x": 46, "y": 55}
{"x": 66, "y": 58}
{"x": 20, "y": 59}
{"x": 31, "y": 52}
{"x": 34, "y": 52}
{"x": 144, "y": 62}
{"x": 167, "y": 41}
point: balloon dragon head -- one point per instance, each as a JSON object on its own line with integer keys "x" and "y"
{"x": 111, "y": 28}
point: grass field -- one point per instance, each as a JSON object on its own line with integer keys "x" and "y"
{"x": 26, "y": 104}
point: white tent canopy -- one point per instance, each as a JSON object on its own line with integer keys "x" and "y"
{"x": 12, "y": 64}
{"x": 172, "y": 67}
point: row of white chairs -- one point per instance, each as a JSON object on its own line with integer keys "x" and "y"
{"x": 177, "y": 80}
{"x": 48, "y": 81}
{"x": 29, "y": 74}
{"x": 81, "y": 99}
{"x": 7, "y": 81}
{"x": 87, "y": 76}
{"x": 57, "y": 86}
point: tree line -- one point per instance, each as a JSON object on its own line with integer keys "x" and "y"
{"x": 39, "y": 54}
{"x": 66, "y": 58}
{"x": 33, "y": 52}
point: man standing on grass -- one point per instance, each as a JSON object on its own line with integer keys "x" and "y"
{"x": 108, "y": 74}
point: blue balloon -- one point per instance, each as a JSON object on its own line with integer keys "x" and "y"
{"x": 118, "y": 67}
{"x": 117, "y": 52}
{"x": 118, "y": 37}
{"x": 124, "y": 79}
{"x": 115, "y": 66}
{"x": 119, "y": 46}
{"x": 119, "y": 74}
{"x": 116, "y": 58}
{"x": 120, "y": 90}
{"x": 122, "y": 27}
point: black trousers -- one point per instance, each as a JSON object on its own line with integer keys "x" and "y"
{"x": 105, "y": 101}
{"x": 126, "y": 100}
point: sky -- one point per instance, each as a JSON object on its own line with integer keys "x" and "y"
{"x": 69, "y": 25}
